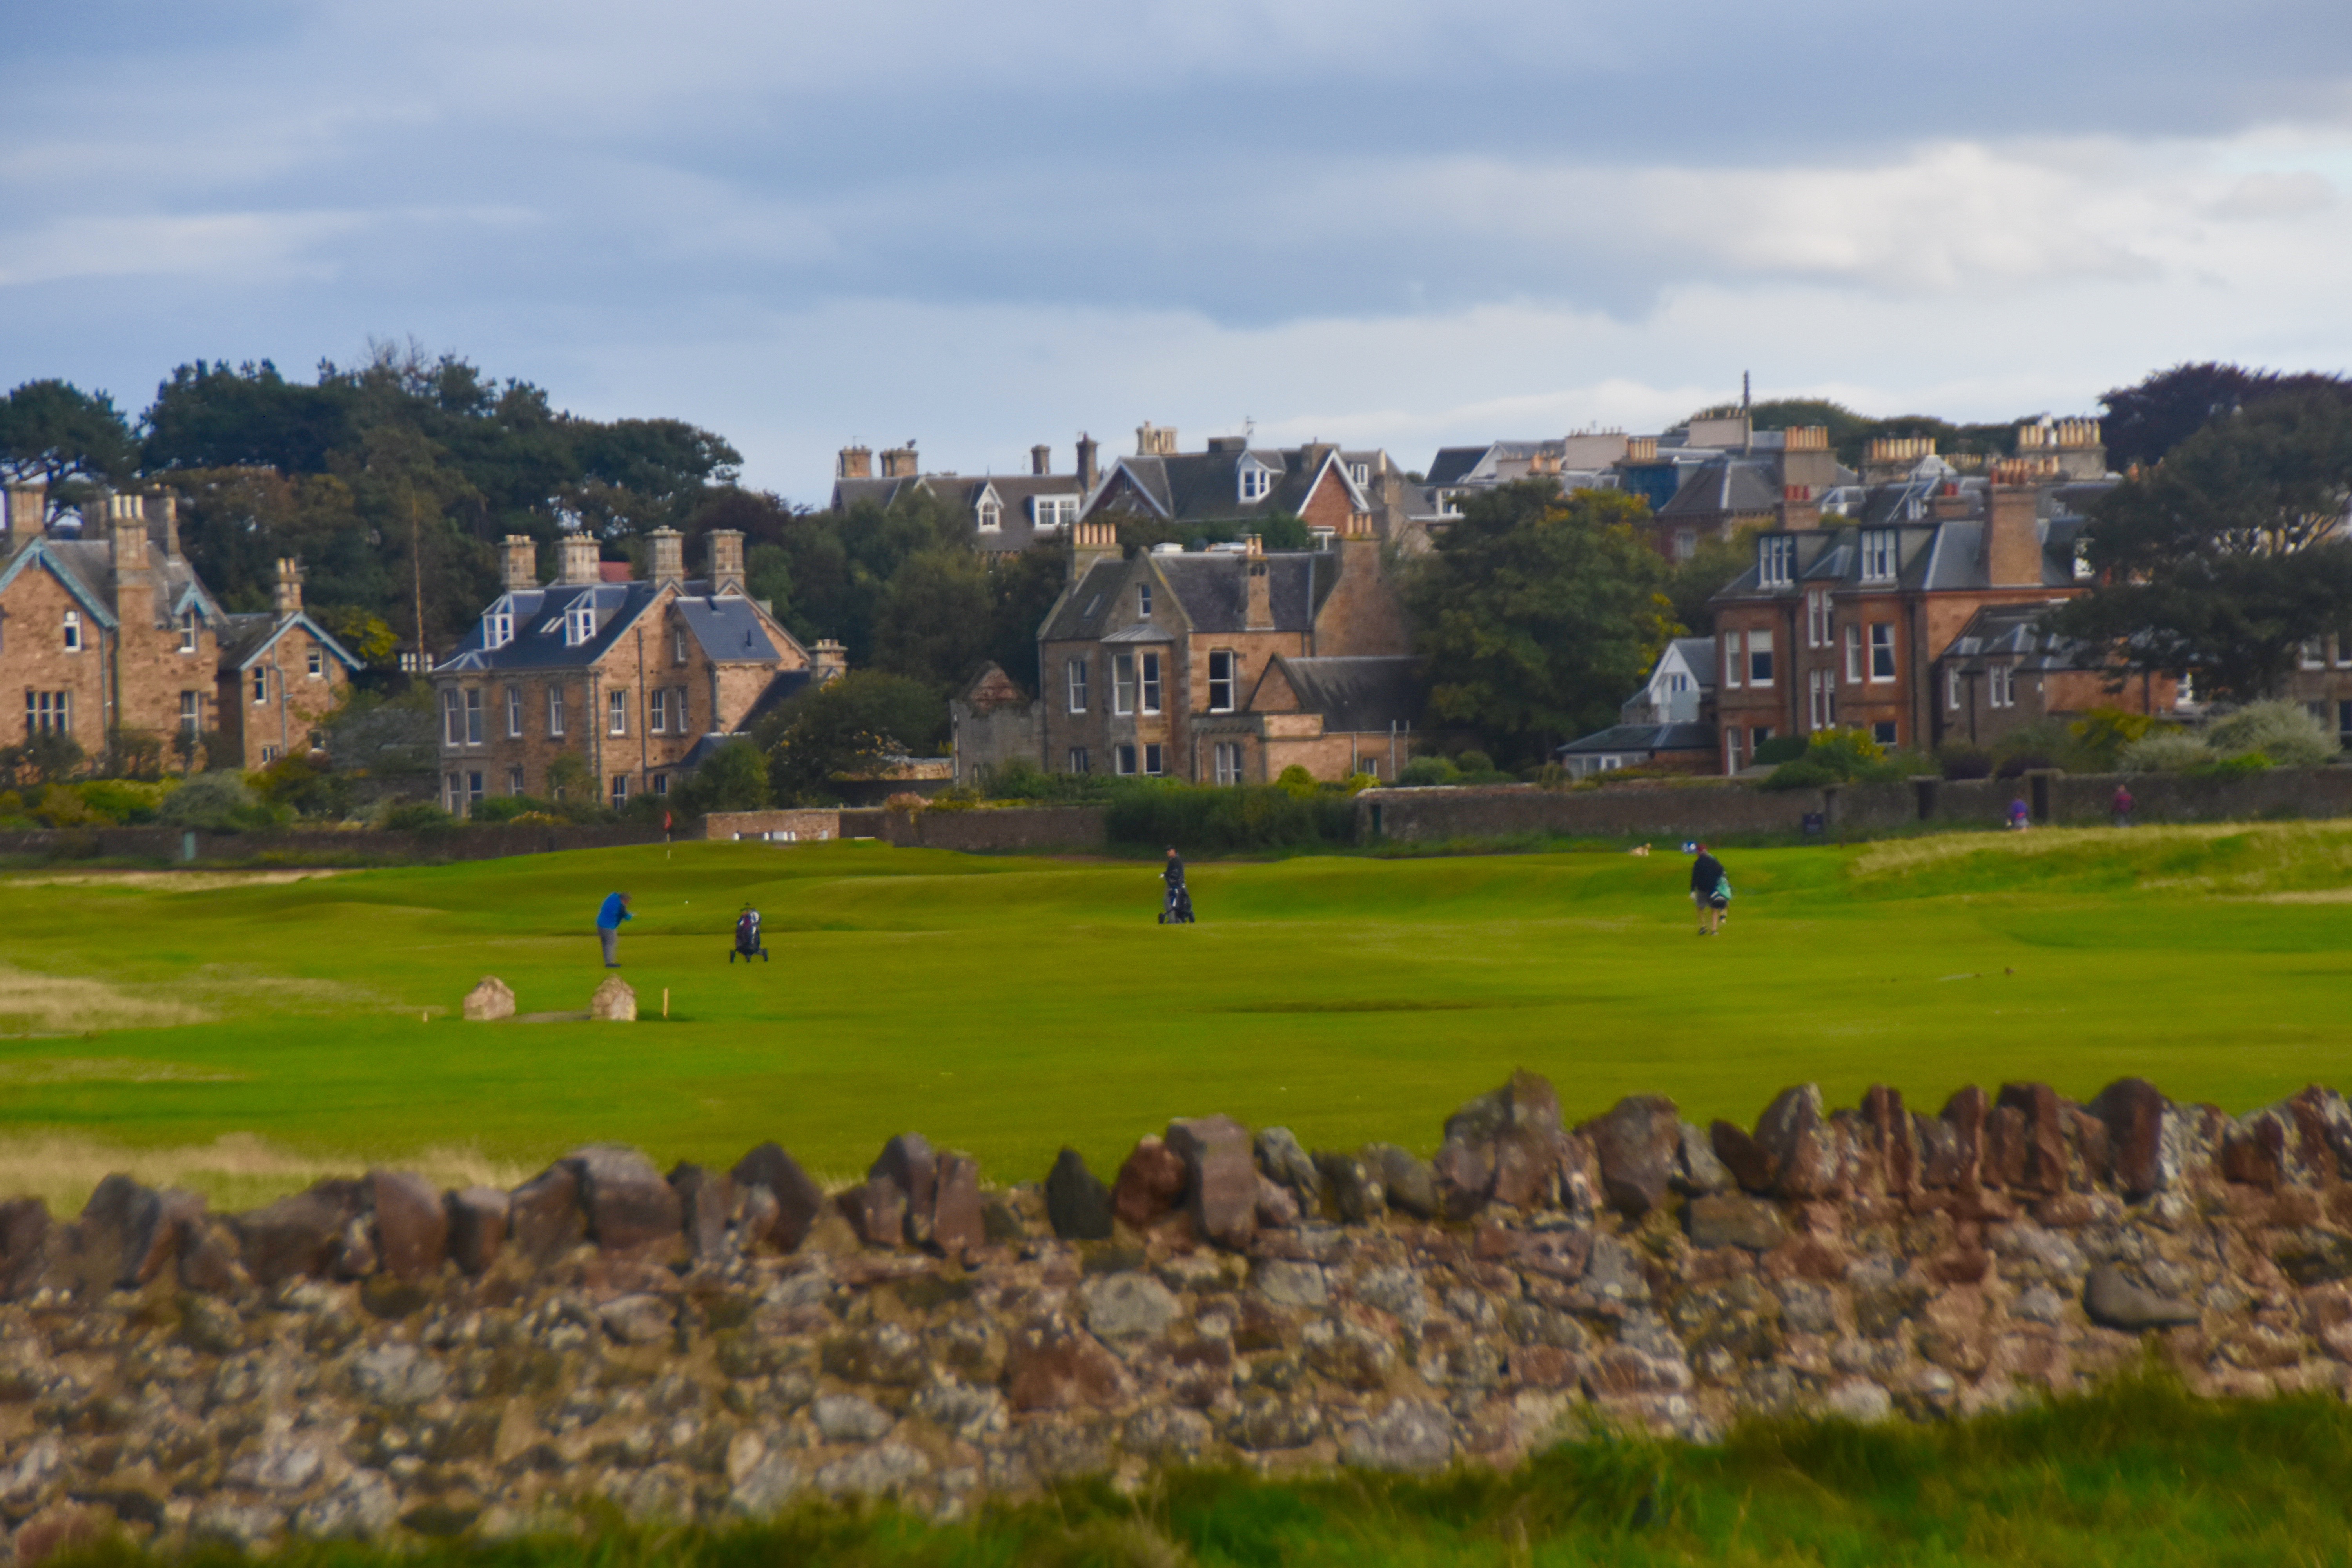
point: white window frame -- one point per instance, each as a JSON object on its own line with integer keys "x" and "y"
{"x": 1122, "y": 684}
{"x": 1730, "y": 749}
{"x": 315, "y": 664}
{"x": 1054, "y": 511}
{"x": 1226, "y": 758}
{"x": 514, "y": 781}
{"x": 187, "y": 631}
{"x": 578, "y": 624}
{"x": 1080, "y": 761}
{"x": 1731, "y": 658}
{"x": 1952, "y": 688}
{"x": 1816, "y": 701}
{"x": 472, "y": 715}
{"x": 991, "y": 515}
{"x": 1885, "y": 732}
{"x": 1155, "y": 759}
{"x": 73, "y": 631}
{"x": 657, "y": 711}
{"x": 1257, "y": 482}
{"x": 1225, "y": 666}
{"x": 2313, "y": 653}
{"x": 1880, "y": 558}
{"x": 1776, "y": 561}
{"x": 1143, "y": 600}
{"x": 2001, "y": 686}
{"x": 1078, "y": 685}
{"x": 555, "y": 709}
{"x": 1818, "y": 626}
{"x": 620, "y": 791}
{"x": 452, "y": 724}
{"x": 677, "y": 645}
{"x": 1149, "y": 692}
{"x": 1123, "y": 759}
{"x": 617, "y": 713}
{"x": 1852, "y": 653}
{"x": 1881, "y": 642}
{"x": 192, "y": 713}
{"x": 497, "y": 628}
{"x": 260, "y": 686}
{"x": 514, "y": 713}
{"x": 1760, "y": 672}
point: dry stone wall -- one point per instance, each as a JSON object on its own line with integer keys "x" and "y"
{"x": 375, "y": 1358}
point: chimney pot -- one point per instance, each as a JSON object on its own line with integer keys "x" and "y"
{"x": 1090, "y": 465}
{"x": 286, "y": 596}
{"x": 1041, "y": 458}
{"x": 726, "y": 561}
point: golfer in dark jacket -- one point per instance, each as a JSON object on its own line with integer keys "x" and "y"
{"x": 1707, "y": 885}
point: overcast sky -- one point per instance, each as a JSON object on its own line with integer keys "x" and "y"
{"x": 1390, "y": 224}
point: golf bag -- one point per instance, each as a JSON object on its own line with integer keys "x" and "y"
{"x": 1178, "y": 910}
{"x": 747, "y": 938}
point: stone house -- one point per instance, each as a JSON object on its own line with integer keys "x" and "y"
{"x": 626, "y": 677}
{"x": 1004, "y": 514}
{"x": 992, "y": 720}
{"x": 1335, "y": 716}
{"x": 1141, "y": 652}
{"x": 280, "y": 675}
{"x": 1235, "y": 485}
{"x": 2004, "y": 672}
{"x": 107, "y": 635}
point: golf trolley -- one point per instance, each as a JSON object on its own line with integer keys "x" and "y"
{"x": 747, "y": 938}
{"x": 1178, "y": 910}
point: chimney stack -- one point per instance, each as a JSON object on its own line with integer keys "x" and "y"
{"x": 579, "y": 568}
{"x": 2012, "y": 536}
{"x": 286, "y": 596}
{"x": 1260, "y": 615}
{"x": 517, "y": 562}
{"x": 24, "y": 514}
{"x": 1152, "y": 441}
{"x": 1089, "y": 466}
{"x": 901, "y": 463}
{"x": 1091, "y": 540}
{"x": 666, "y": 550}
{"x": 832, "y": 661}
{"x": 726, "y": 561}
{"x": 1641, "y": 449}
{"x": 134, "y": 583}
{"x": 1040, "y": 459}
{"x": 855, "y": 463}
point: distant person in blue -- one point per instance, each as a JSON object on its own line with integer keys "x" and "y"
{"x": 608, "y": 926}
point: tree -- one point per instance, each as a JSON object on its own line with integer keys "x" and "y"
{"x": 932, "y": 618}
{"x": 1717, "y": 561}
{"x": 846, "y": 726}
{"x": 734, "y": 777}
{"x": 2146, "y": 421}
{"x": 1024, "y": 587}
{"x": 52, "y": 432}
{"x": 1538, "y": 613}
{"x": 2226, "y": 557}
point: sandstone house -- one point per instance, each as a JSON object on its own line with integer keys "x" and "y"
{"x": 599, "y": 680}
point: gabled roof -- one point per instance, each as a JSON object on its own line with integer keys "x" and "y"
{"x": 1725, "y": 485}
{"x": 729, "y": 628}
{"x": 85, "y": 568}
{"x": 1698, "y": 654}
{"x": 1643, "y": 738}
{"x": 244, "y": 639}
{"x": 1205, "y": 486}
{"x": 2013, "y": 633}
{"x": 1213, "y": 588}
{"x": 1361, "y": 694}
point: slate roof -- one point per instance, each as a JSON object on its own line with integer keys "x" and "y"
{"x": 1205, "y": 486}
{"x": 1725, "y": 485}
{"x": 1930, "y": 557}
{"x": 245, "y": 637}
{"x": 1210, "y": 586}
{"x": 1643, "y": 738}
{"x": 1361, "y": 693}
{"x": 2012, "y": 634}
{"x": 86, "y": 567}
{"x": 729, "y": 628}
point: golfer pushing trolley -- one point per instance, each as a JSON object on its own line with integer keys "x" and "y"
{"x": 1177, "y": 908}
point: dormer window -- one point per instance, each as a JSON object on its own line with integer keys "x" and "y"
{"x": 73, "y": 631}
{"x": 1055, "y": 511}
{"x": 187, "y": 631}
{"x": 578, "y": 624}
{"x": 991, "y": 515}
{"x": 497, "y": 628}
{"x": 1143, "y": 599}
{"x": 1878, "y": 555}
{"x": 1258, "y": 483}
{"x": 1361, "y": 472}
{"x": 1776, "y": 561}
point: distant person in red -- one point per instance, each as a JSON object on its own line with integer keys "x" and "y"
{"x": 2124, "y": 804}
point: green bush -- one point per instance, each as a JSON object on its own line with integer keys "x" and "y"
{"x": 1958, "y": 760}
{"x": 734, "y": 777}
{"x": 1198, "y": 817}
{"x": 417, "y": 816}
{"x": 219, "y": 803}
{"x": 1423, "y": 772}
{"x": 2163, "y": 752}
{"x": 135, "y": 801}
{"x": 2286, "y": 734}
{"x": 1780, "y": 749}
{"x": 1021, "y": 779}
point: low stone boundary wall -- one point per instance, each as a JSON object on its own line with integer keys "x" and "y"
{"x": 373, "y": 1356}
{"x": 777, "y": 826}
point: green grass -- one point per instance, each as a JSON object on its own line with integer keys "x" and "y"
{"x": 2138, "y": 1474}
{"x": 1008, "y": 1005}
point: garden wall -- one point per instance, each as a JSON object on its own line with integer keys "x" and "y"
{"x": 373, "y": 1357}
{"x": 1010, "y": 829}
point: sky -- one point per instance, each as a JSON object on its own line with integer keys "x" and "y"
{"x": 1392, "y": 224}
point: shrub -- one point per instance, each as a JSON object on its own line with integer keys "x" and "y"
{"x": 295, "y": 782}
{"x": 218, "y": 802}
{"x": 1780, "y": 749}
{"x": 1805, "y": 773}
{"x": 1958, "y": 760}
{"x": 418, "y": 816}
{"x": 1210, "y": 817}
{"x": 2163, "y": 752}
{"x": 734, "y": 777}
{"x": 125, "y": 799}
{"x": 1423, "y": 772}
{"x": 1295, "y": 781}
{"x": 2101, "y": 735}
{"x": 1475, "y": 762}
{"x": 2286, "y": 734}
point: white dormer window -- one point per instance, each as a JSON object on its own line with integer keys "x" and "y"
{"x": 1143, "y": 599}
{"x": 187, "y": 631}
{"x": 578, "y": 624}
{"x": 1361, "y": 472}
{"x": 497, "y": 628}
{"x": 1055, "y": 511}
{"x": 1878, "y": 555}
{"x": 1258, "y": 483}
{"x": 73, "y": 631}
{"x": 1776, "y": 561}
{"x": 991, "y": 515}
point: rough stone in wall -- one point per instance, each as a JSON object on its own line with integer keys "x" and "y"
{"x": 371, "y": 1358}
{"x": 490, "y": 1000}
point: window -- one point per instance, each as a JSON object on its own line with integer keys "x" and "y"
{"x": 1227, "y": 757}
{"x": 1221, "y": 664}
{"x": 2000, "y": 687}
{"x": 2314, "y": 653}
{"x": 1080, "y": 761}
{"x": 620, "y": 791}
{"x": 679, "y": 713}
{"x": 269, "y": 756}
{"x": 1731, "y": 659}
{"x": 1730, "y": 748}
{"x": 1882, "y": 650}
{"x": 1878, "y": 555}
{"x": 2185, "y": 692}
{"x": 452, "y": 724}
{"x": 992, "y": 516}
{"x": 1151, "y": 683}
{"x": 1257, "y": 482}
{"x": 617, "y": 713}
{"x": 1853, "y": 656}
{"x": 1685, "y": 543}
{"x": 1122, "y": 759}
{"x": 1757, "y": 737}
{"x": 1776, "y": 561}
{"x": 1759, "y": 658}
{"x": 1153, "y": 760}
{"x": 1817, "y": 699}
{"x": 1361, "y": 472}
{"x": 2344, "y": 719}
{"x": 658, "y": 720}
{"x": 514, "y": 781}
{"x": 554, "y": 708}
{"x": 474, "y": 716}
{"x": 1055, "y": 511}
{"x": 497, "y": 628}
{"x": 473, "y": 792}
{"x": 2342, "y": 649}
{"x": 1369, "y": 766}
{"x": 317, "y": 665}
{"x": 2084, "y": 570}
{"x": 187, "y": 631}
{"x": 1883, "y": 733}
{"x": 1143, "y": 599}
{"x": 661, "y": 784}
{"x": 48, "y": 713}
{"x": 1122, "y": 683}
{"x": 578, "y": 624}
{"x": 514, "y": 715}
{"x": 260, "y": 684}
{"x": 677, "y": 645}
{"x": 453, "y": 798}
{"x": 1817, "y": 618}
{"x": 192, "y": 713}
{"x": 73, "y": 631}
{"x": 1077, "y": 668}
{"x": 1952, "y": 688}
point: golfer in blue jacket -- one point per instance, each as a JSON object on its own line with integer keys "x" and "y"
{"x": 608, "y": 926}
